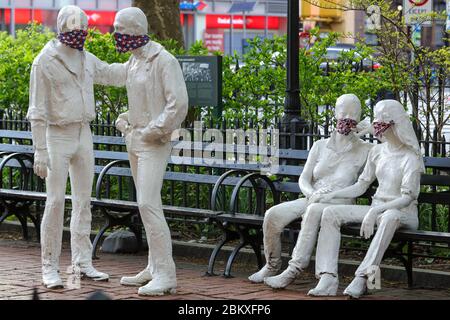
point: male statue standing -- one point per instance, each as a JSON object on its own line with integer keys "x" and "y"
{"x": 60, "y": 110}
{"x": 158, "y": 103}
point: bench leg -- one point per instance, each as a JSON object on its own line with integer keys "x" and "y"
{"x": 138, "y": 234}
{"x": 409, "y": 265}
{"x": 213, "y": 257}
{"x": 232, "y": 257}
{"x": 4, "y": 216}
{"x": 257, "y": 249}
{"x": 23, "y": 222}
{"x": 37, "y": 224}
{"x": 98, "y": 237}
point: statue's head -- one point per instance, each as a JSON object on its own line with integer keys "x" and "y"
{"x": 71, "y": 18}
{"x": 391, "y": 119}
{"x": 347, "y": 113}
{"x": 131, "y": 21}
{"x": 130, "y": 29}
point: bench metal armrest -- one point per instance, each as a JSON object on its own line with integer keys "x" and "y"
{"x": 219, "y": 183}
{"x": 252, "y": 177}
{"x": 21, "y": 158}
{"x": 98, "y": 185}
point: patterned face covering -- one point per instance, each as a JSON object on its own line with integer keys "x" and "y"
{"x": 381, "y": 127}
{"x": 74, "y": 39}
{"x": 345, "y": 126}
{"x": 127, "y": 42}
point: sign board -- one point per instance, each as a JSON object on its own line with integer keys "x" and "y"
{"x": 414, "y": 7}
{"x": 214, "y": 40}
{"x": 203, "y": 77}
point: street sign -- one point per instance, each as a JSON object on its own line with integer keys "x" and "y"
{"x": 203, "y": 77}
{"x": 414, "y": 7}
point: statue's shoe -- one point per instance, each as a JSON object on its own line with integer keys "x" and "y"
{"x": 140, "y": 279}
{"x": 158, "y": 287}
{"x": 327, "y": 286}
{"x": 52, "y": 280}
{"x": 93, "y": 274}
{"x": 259, "y": 276}
{"x": 357, "y": 288}
{"x": 282, "y": 280}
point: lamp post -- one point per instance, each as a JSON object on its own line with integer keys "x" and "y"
{"x": 292, "y": 122}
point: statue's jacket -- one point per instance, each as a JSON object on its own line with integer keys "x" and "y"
{"x": 62, "y": 93}
{"x": 157, "y": 95}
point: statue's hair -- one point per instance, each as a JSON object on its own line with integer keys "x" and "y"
{"x": 350, "y": 99}
{"x": 71, "y": 18}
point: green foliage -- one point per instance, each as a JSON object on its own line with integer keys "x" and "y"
{"x": 16, "y": 57}
{"x": 253, "y": 85}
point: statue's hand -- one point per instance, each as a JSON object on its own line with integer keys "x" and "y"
{"x": 362, "y": 128}
{"x": 150, "y": 134}
{"x": 41, "y": 163}
{"x": 320, "y": 197}
{"x": 368, "y": 224}
{"x": 123, "y": 126}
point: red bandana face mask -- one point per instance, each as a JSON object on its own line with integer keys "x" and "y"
{"x": 381, "y": 127}
{"x": 345, "y": 126}
{"x": 74, "y": 39}
{"x": 127, "y": 42}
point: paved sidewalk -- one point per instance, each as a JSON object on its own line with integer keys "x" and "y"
{"x": 20, "y": 273}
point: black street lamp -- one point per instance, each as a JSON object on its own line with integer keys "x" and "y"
{"x": 292, "y": 122}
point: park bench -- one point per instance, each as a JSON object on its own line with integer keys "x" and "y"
{"x": 247, "y": 227}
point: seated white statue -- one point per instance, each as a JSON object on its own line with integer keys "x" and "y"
{"x": 397, "y": 165}
{"x": 332, "y": 164}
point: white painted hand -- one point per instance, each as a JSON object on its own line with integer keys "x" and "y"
{"x": 123, "y": 126}
{"x": 41, "y": 163}
{"x": 368, "y": 224}
{"x": 320, "y": 197}
{"x": 150, "y": 134}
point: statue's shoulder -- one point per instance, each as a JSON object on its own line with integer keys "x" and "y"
{"x": 46, "y": 54}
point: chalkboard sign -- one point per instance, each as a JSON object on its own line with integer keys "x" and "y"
{"x": 203, "y": 77}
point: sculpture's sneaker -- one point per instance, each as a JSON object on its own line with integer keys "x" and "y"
{"x": 91, "y": 273}
{"x": 52, "y": 280}
{"x": 282, "y": 280}
{"x": 357, "y": 288}
{"x": 259, "y": 276}
{"x": 327, "y": 286}
{"x": 138, "y": 280}
{"x": 158, "y": 287}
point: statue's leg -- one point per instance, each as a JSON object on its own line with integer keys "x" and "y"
{"x": 329, "y": 241}
{"x": 81, "y": 176}
{"x": 275, "y": 220}
{"x": 387, "y": 223}
{"x": 150, "y": 173}
{"x": 307, "y": 237}
{"x": 60, "y": 150}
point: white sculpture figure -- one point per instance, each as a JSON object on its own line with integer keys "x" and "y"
{"x": 397, "y": 165}
{"x": 332, "y": 164}
{"x": 61, "y": 107}
{"x": 158, "y": 102}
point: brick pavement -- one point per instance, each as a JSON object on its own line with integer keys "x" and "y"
{"x": 20, "y": 273}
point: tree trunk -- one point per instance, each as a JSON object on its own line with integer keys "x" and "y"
{"x": 163, "y": 18}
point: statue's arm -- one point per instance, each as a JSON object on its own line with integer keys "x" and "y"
{"x": 114, "y": 74}
{"x": 305, "y": 179}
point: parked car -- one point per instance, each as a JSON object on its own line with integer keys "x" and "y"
{"x": 334, "y": 59}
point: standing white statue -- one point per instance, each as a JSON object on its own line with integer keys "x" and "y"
{"x": 158, "y": 103}
{"x": 60, "y": 109}
{"x": 397, "y": 165}
{"x": 332, "y": 164}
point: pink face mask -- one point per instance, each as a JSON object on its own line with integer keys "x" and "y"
{"x": 74, "y": 39}
{"x": 381, "y": 127}
{"x": 345, "y": 126}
